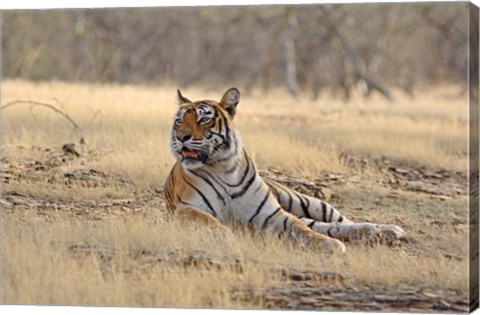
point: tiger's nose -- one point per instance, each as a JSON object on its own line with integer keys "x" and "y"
{"x": 183, "y": 136}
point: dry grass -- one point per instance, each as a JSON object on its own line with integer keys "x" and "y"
{"x": 294, "y": 135}
{"x": 115, "y": 276}
{"x": 130, "y": 139}
{"x": 41, "y": 267}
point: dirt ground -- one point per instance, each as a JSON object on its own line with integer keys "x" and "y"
{"x": 369, "y": 186}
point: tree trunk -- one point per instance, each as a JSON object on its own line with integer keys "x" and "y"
{"x": 290, "y": 55}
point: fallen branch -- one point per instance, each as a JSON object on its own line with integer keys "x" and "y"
{"x": 34, "y": 104}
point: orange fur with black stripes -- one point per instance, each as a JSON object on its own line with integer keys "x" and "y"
{"x": 214, "y": 181}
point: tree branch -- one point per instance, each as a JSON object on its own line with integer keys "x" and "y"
{"x": 34, "y": 104}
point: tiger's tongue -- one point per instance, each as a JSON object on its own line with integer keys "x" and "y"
{"x": 188, "y": 153}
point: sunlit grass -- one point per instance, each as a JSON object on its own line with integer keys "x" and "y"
{"x": 133, "y": 125}
{"x": 86, "y": 263}
{"x": 129, "y": 138}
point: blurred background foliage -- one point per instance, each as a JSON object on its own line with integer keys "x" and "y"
{"x": 304, "y": 48}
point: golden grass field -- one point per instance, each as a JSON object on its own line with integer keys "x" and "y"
{"x": 91, "y": 230}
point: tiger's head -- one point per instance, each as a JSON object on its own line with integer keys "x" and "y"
{"x": 203, "y": 132}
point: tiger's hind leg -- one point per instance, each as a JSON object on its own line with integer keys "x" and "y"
{"x": 289, "y": 225}
{"x": 361, "y": 232}
{"x": 325, "y": 219}
{"x": 322, "y": 218}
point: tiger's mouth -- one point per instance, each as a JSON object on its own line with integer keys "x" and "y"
{"x": 188, "y": 154}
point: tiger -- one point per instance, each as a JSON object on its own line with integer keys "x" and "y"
{"x": 214, "y": 181}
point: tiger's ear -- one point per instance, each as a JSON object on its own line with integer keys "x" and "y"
{"x": 181, "y": 99}
{"x": 230, "y": 101}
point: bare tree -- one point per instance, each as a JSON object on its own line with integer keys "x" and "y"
{"x": 307, "y": 48}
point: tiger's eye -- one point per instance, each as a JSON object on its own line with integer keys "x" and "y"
{"x": 205, "y": 120}
{"x": 178, "y": 121}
